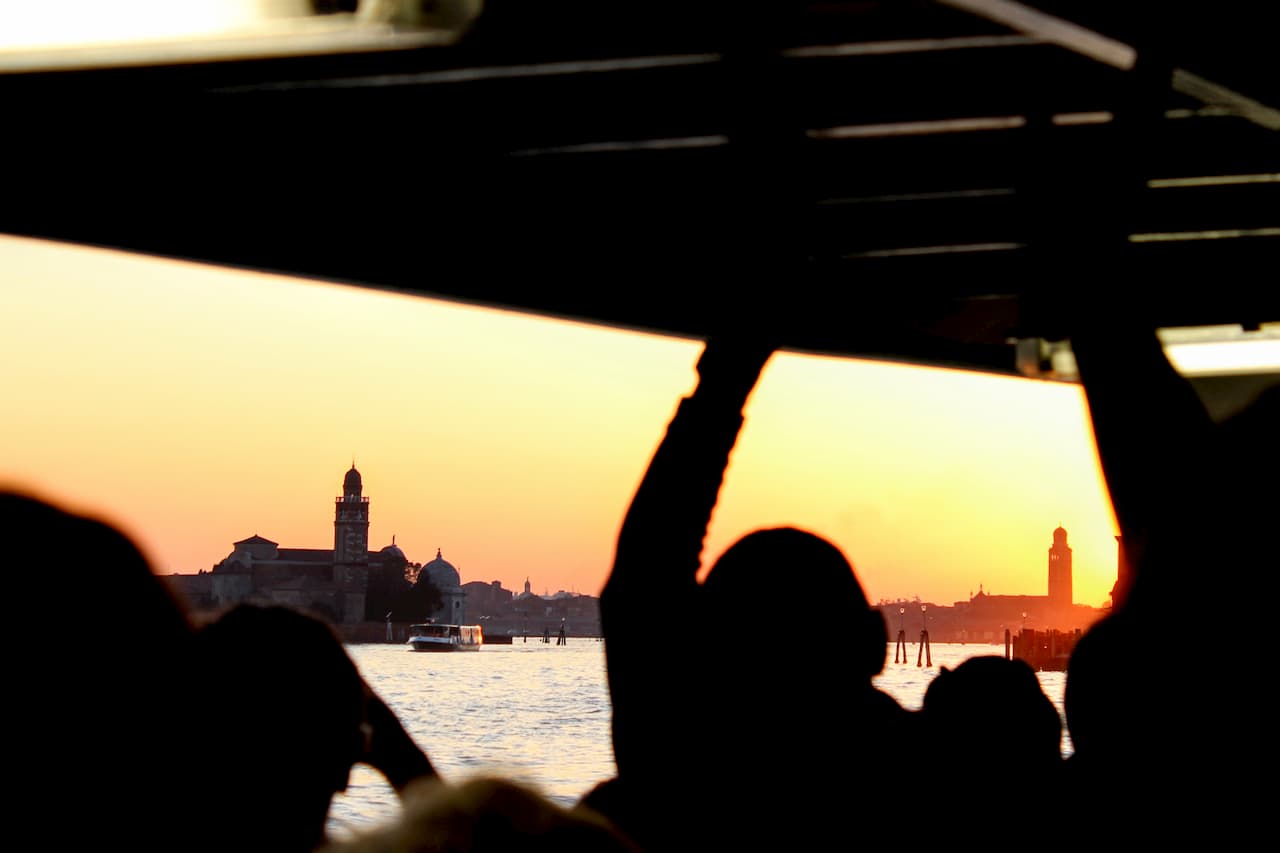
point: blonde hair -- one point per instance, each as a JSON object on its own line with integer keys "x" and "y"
{"x": 487, "y": 814}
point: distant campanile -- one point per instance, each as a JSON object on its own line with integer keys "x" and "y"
{"x": 351, "y": 522}
{"x": 1060, "y": 570}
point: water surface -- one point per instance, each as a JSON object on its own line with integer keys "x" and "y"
{"x": 540, "y": 713}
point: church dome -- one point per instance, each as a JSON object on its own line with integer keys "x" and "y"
{"x": 351, "y": 484}
{"x": 1060, "y": 536}
{"x": 441, "y": 573}
{"x": 392, "y": 557}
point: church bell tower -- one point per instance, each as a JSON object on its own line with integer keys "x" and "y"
{"x": 1060, "y": 572}
{"x": 350, "y": 527}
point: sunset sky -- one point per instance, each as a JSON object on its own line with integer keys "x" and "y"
{"x": 195, "y": 406}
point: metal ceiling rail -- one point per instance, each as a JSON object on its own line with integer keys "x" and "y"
{"x": 916, "y": 185}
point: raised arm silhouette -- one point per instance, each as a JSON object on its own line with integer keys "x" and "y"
{"x": 1155, "y": 716}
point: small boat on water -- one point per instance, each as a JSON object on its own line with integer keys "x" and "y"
{"x": 434, "y": 637}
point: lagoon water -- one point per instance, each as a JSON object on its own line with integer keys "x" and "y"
{"x": 540, "y": 713}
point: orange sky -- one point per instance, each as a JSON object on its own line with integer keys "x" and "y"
{"x": 195, "y": 406}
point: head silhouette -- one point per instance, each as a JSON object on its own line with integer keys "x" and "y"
{"x": 993, "y": 710}
{"x": 285, "y": 708}
{"x": 126, "y": 638}
{"x": 1104, "y": 721}
{"x": 784, "y": 690}
{"x": 989, "y": 718}
{"x": 821, "y": 607}
{"x": 487, "y": 814}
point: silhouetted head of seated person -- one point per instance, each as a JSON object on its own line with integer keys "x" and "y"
{"x": 284, "y": 723}
{"x": 1129, "y": 710}
{"x": 832, "y": 635}
{"x": 984, "y": 725}
{"x": 992, "y": 712}
{"x": 140, "y": 611}
{"x": 487, "y": 815}
{"x": 1108, "y": 728}
{"x": 786, "y": 682}
{"x": 102, "y": 689}
{"x": 1164, "y": 739}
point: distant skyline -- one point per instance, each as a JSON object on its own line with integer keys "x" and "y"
{"x": 196, "y": 406}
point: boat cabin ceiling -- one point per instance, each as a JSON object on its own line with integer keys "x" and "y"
{"x": 919, "y": 181}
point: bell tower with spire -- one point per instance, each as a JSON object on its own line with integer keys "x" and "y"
{"x": 1060, "y": 572}
{"x": 350, "y": 526}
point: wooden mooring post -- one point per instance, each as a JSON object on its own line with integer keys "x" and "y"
{"x": 902, "y": 637}
{"x": 925, "y": 651}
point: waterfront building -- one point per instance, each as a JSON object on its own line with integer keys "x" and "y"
{"x": 346, "y": 585}
{"x": 442, "y": 574}
{"x": 527, "y": 614}
{"x": 373, "y": 596}
{"x": 986, "y": 617}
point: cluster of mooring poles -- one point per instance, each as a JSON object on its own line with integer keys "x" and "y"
{"x": 562, "y": 639}
{"x": 925, "y": 655}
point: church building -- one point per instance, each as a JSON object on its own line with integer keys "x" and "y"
{"x": 347, "y": 583}
{"x": 986, "y": 615}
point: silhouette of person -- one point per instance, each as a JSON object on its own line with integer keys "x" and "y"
{"x": 287, "y": 716}
{"x": 987, "y": 725}
{"x": 721, "y": 741}
{"x": 235, "y": 732}
{"x": 486, "y": 815}
{"x": 97, "y": 679}
{"x": 1161, "y": 727}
